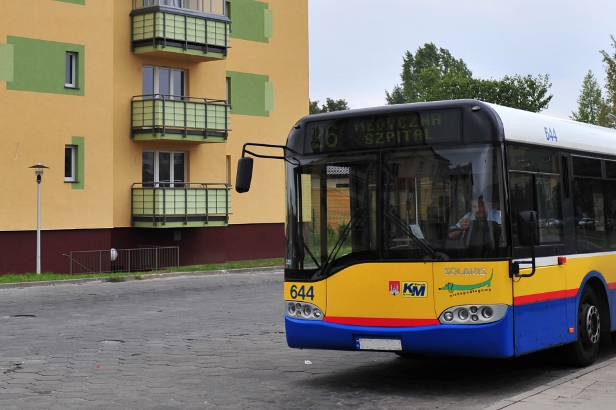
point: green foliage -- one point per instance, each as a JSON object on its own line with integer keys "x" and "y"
{"x": 341, "y": 228}
{"x": 329, "y": 106}
{"x": 434, "y": 74}
{"x": 610, "y": 87}
{"x": 332, "y": 237}
{"x": 590, "y": 102}
{"x": 50, "y": 276}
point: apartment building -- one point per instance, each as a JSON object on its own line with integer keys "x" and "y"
{"x": 140, "y": 109}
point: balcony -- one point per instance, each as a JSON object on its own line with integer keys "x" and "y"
{"x": 195, "y": 30}
{"x": 166, "y": 117}
{"x": 186, "y": 205}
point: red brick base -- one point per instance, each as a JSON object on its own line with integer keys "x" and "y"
{"x": 197, "y": 245}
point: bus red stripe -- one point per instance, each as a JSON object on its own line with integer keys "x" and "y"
{"x": 541, "y": 297}
{"x": 612, "y": 286}
{"x": 380, "y": 322}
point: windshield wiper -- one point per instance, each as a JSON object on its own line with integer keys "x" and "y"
{"x": 423, "y": 244}
{"x": 355, "y": 219}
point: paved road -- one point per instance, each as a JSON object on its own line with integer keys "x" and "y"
{"x": 218, "y": 342}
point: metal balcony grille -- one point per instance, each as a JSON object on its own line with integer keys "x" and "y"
{"x": 185, "y": 204}
{"x": 166, "y": 116}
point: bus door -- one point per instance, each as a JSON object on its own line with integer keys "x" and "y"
{"x": 540, "y": 310}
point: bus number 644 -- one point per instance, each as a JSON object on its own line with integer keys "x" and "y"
{"x": 301, "y": 292}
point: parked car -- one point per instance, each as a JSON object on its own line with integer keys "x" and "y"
{"x": 555, "y": 223}
{"x": 588, "y": 223}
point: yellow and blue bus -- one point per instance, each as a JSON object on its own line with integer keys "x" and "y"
{"x": 448, "y": 228}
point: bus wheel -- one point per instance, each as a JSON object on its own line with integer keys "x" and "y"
{"x": 584, "y": 350}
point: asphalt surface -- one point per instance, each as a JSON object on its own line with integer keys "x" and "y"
{"x": 218, "y": 342}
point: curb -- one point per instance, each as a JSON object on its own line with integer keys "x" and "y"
{"x": 150, "y": 276}
{"x": 504, "y": 403}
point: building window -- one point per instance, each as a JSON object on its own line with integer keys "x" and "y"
{"x": 70, "y": 78}
{"x": 70, "y": 163}
{"x": 166, "y": 83}
{"x": 163, "y": 168}
{"x": 229, "y": 169}
{"x": 228, "y": 14}
{"x": 228, "y": 90}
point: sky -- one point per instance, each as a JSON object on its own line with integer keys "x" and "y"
{"x": 357, "y": 46}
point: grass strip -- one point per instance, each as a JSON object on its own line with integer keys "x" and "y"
{"x": 50, "y": 276}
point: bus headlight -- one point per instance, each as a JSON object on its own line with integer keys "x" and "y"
{"x": 306, "y": 311}
{"x": 473, "y": 314}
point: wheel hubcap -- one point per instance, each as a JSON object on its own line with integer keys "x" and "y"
{"x": 593, "y": 325}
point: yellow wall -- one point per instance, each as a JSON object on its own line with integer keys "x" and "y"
{"x": 285, "y": 60}
{"x": 34, "y": 127}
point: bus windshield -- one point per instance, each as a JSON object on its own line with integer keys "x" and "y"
{"x": 415, "y": 204}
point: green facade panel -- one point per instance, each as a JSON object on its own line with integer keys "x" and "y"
{"x": 80, "y": 164}
{"x": 40, "y": 66}
{"x": 81, "y": 2}
{"x": 251, "y": 20}
{"x": 268, "y": 23}
{"x": 251, "y": 94}
{"x": 7, "y": 62}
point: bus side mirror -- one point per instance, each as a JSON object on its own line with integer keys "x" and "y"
{"x": 244, "y": 174}
{"x": 528, "y": 228}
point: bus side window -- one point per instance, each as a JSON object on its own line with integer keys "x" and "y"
{"x": 549, "y": 208}
{"x": 540, "y": 193}
{"x": 590, "y": 224}
{"x": 522, "y": 198}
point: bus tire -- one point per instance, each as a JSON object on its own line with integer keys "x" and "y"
{"x": 583, "y": 351}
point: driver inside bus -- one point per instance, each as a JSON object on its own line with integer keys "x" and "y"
{"x": 480, "y": 213}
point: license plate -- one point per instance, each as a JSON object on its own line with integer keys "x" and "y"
{"x": 378, "y": 344}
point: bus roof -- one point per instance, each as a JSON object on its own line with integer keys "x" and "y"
{"x": 484, "y": 122}
{"x": 537, "y": 129}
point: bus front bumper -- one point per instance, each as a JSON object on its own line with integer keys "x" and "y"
{"x": 493, "y": 340}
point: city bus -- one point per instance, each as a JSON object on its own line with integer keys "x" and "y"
{"x": 455, "y": 228}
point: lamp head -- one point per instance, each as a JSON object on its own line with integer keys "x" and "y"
{"x": 38, "y": 170}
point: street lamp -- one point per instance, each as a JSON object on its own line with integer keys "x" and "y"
{"x": 38, "y": 171}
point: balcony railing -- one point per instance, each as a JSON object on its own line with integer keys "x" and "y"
{"x": 202, "y": 6}
{"x": 196, "y": 29}
{"x": 158, "y": 116}
{"x": 186, "y": 204}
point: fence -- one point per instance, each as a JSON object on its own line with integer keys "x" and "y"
{"x": 144, "y": 258}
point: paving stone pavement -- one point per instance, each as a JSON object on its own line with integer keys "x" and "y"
{"x": 218, "y": 342}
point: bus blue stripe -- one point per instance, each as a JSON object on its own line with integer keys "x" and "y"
{"x": 494, "y": 340}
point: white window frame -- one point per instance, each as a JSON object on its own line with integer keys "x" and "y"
{"x": 172, "y": 85}
{"x": 73, "y": 163}
{"x": 156, "y": 183}
{"x": 71, "y": 69}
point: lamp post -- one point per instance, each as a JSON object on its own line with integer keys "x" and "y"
{"x": 38, "y": 171}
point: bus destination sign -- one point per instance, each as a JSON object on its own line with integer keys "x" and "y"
{"x": 408, "y": 129}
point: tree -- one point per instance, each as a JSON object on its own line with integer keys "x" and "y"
{"x": 609, "y": 106}
{"x": 329, "y": 106}
{"x": 434, "y": 74}
{"x": 590, "y": 102}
